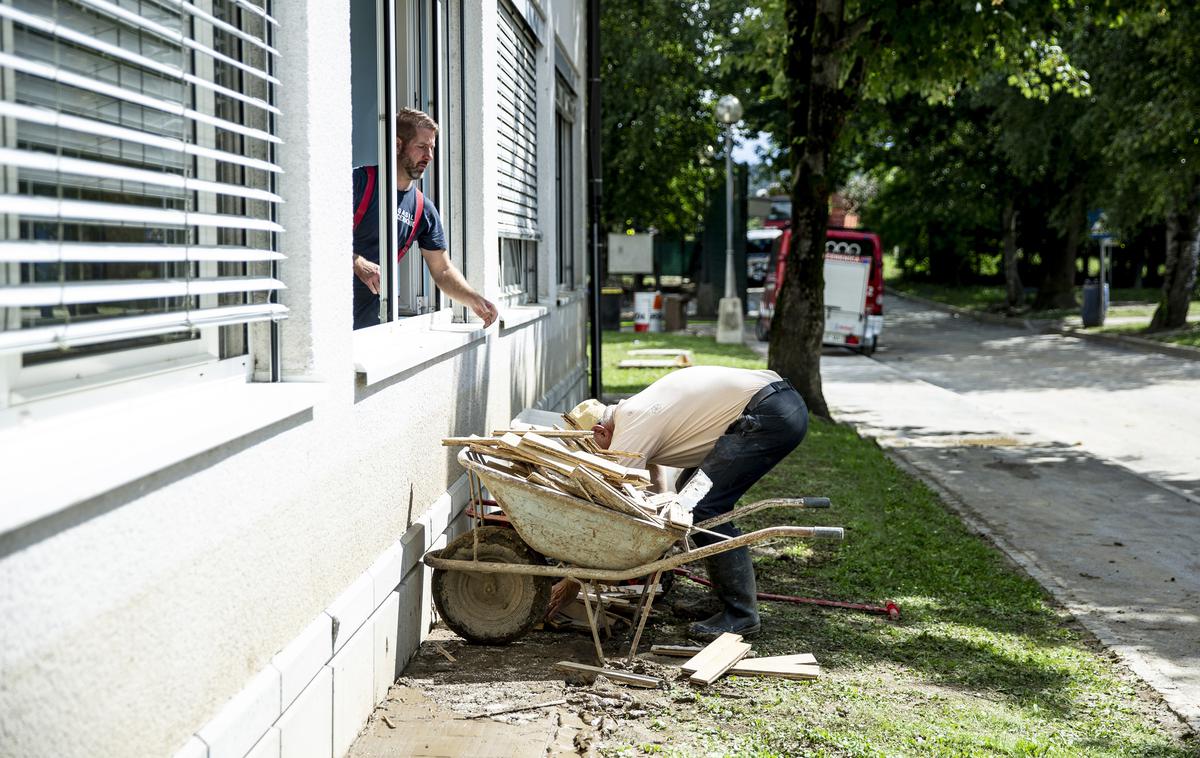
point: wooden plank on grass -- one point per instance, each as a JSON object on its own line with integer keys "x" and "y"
{"x": 711, "y": 651}
{"x": 624, "y": 677}
{"x": 650, "y": 363}
{"x": 715, "y": 666}
{"x": 799, "y": 666}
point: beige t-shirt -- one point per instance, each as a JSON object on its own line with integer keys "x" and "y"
{"x": 677, "y": 420}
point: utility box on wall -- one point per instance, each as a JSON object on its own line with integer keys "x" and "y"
{"x": 631, "y": 254}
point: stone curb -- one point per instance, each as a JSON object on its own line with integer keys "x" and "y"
{"x": 1051, "y": 326}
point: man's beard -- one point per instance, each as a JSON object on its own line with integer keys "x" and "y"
{"x": 414, "y": 170}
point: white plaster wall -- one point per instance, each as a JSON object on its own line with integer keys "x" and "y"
{"x": 127, "y": 627}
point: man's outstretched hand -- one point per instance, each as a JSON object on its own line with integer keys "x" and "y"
{"x": 486, "y": 310}
{"x": 367, "y": 273}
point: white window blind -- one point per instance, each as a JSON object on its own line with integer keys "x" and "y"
{"x": 517, "y": 126}
{"x": 137, "y": 172}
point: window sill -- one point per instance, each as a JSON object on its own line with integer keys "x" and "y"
{"x": 567, "y": 297}
{"x": 53, "y": 463}
{"x": 381, "y": 352}
{"x": 520, "y": 315}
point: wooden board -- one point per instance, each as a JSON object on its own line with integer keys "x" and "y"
{"x": 552, "y": 433}
{"x": 667, "y": 351}
{"x": 715, "y": 666}
{"x": 624, "y": 677}
{"x": 676, "y": 651}
{"x": 605, "y": 494}
{"x": 651, "y": 363}
{"x": 713, "y": 650}
{"x": 472, "y": 440}
{"x": 514, "y": 443}
{"x": 799, "y": 666}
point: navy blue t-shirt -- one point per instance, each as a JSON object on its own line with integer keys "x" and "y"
{"x": 430, "y": 236}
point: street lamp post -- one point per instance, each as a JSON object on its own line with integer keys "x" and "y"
{"x": 729, "y": 312}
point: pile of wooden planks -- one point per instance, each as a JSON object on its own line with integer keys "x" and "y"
{"x": 569, "y": 461}
{"x": 728, "y": 654}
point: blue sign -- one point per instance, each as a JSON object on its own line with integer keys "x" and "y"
{"x": 1098, "y": 225}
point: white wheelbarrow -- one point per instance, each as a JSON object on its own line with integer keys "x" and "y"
{"x": 492, "y": 584}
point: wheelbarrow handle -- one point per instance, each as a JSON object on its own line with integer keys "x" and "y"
{"x": 762, "y": 505}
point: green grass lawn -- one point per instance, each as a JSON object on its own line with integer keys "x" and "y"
{"x": 980, "y": 663}
{"x": 705, "y": 351}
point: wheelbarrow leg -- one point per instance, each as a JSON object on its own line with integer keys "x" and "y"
{"x": 587, "y": 606}
{"x": 644, "y": 611}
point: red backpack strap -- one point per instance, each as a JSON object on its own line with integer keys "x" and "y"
{"x": 412, "y": 235}
{"x": 368, "y": 192}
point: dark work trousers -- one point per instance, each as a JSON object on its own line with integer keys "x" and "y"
{"x": 769, "y": 429}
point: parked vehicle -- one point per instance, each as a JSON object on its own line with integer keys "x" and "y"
{"x": 853, "y": 288}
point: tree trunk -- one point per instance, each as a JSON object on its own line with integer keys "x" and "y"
{"x": 1058, "y": 283}
{"x": 1179, "y": 279}
{"x": 819, "y": 100}
{"x": 1012, "y": 279}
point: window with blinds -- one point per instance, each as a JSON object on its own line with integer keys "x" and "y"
{"x": 137, "y": 175}
{"x": 517, "y": 125}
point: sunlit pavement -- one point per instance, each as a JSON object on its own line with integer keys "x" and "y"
{"x": 1080, "y": 460}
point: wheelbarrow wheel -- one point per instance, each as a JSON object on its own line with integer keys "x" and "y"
{"x": 486, "y": 608}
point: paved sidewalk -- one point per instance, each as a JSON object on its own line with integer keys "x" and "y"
{"x": 1078, "y": 506}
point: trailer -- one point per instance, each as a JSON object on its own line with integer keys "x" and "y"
{"x": 853, "y": 288}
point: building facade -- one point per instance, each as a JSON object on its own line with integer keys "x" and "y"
{"x": 214, "y": 493}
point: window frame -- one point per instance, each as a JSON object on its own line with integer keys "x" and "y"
{"x": 565, "y": 172}
{"x": 414, "y": 58}
{"x": 229, "y": 345}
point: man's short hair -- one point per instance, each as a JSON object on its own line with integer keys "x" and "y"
{"x": 409, "y": 120}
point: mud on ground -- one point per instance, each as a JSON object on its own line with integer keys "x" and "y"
{"x": 426, "y": 712}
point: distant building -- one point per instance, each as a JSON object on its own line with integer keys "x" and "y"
{"x": 842, "y": 212}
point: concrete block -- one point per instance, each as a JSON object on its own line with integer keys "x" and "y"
{"x": 427, "y": 608}
{"x": 303, "y": 657}
{"x": 267, "y": 747}
{"x": 408, "y": 618}
{"x": 306, "y": 728}
{"x": 244, "y": 719}
{"x": 386, "y": 622}
{"x": 353, "y": 688}
{"x": 387, "y": 571}
{"x": 434, "y": 522}
{"x": 412, "y": 546}
{"x": 193, "y": 748}
{"x": 351, "y": 609}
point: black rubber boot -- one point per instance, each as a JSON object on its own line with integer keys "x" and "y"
{"x": 732, "y": 575}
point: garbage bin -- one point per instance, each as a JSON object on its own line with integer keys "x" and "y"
{"x": 1095, "y": 303}
{"x": 610, "y": 309}
{"x": 674, "y": 313}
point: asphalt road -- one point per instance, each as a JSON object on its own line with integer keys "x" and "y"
{"x": 1081, "y": 461}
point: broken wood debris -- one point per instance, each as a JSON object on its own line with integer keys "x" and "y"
{"x": 516, "y": 708}
{"x": 616, "y": 675}
{"x": 799, "y": 666}
{"x": 729, "y": 655}
{"x": 713, "y": 661}
{"x": 569, "y": 462}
